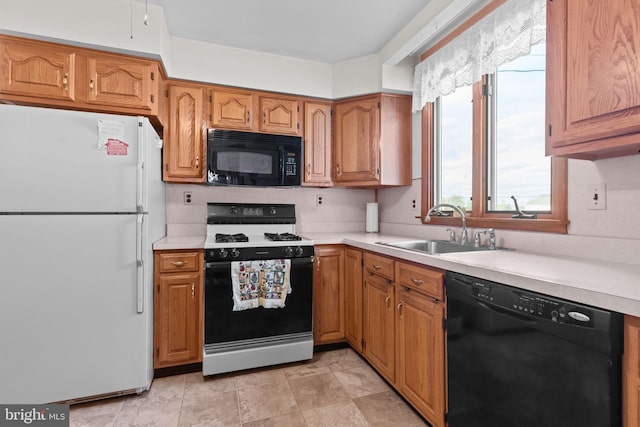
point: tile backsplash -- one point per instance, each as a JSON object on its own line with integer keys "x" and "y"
{"x": 342, "y": 210}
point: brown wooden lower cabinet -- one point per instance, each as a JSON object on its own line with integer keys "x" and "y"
{"x": 631, "y": 372}
{"x": 178, "y": 308}
{"x": 379, "y": 324}
{"x": 353, "y": 297}
{"x": 420, "y": 353}
{"x": 328, "y": 294}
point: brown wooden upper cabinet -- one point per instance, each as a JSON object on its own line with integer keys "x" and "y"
{"x": 233, "y": 110}
{"x": 35, "y": 70}
{"x": 317, "y": 144}
{"x": 47, "y": 74}
{"x": 279, "y": 115}
{"x": 372, "y": 141}
{"x": 122, "y": 82}
{"x": 184, "y": 151}
{"x": 593, "y": 78}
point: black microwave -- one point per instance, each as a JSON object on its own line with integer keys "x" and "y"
{"x": 250, "y": 158}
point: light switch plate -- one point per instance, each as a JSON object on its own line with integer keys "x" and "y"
{"x": 597, "y": 195}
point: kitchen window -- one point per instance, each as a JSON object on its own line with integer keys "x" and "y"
{"x": 484, "y": 142}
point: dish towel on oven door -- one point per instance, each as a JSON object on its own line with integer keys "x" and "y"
{"x": 260, "y": 283}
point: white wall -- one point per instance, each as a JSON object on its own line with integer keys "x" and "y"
{"x": 206, "y": 62}
{"x": 92, "y": 23}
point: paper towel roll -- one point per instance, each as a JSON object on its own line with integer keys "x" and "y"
{"x": 371, "y": 223}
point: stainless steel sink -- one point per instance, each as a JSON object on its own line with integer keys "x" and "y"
{"x": 433, "y": 246}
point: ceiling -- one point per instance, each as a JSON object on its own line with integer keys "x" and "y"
{"x": 323, "y": 30}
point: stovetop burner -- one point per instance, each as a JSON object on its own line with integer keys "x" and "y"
{"x": 277, "y": 237}
{"x": 228, "y": 238}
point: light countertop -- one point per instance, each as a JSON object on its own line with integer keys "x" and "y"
{"x": 614, "y": 286}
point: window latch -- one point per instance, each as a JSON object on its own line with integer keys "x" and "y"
{"x": 521, "y": 215}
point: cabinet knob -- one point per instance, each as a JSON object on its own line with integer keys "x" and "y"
{"x": 400, "y": 309}
{"x": 387, "y": 301}
{"x": 91, "y": 85}
{"x": 248, "y": 116}
{"x": 193, "y": 291}
{"x": 309, "y": 169}
{"x": 338, "y": 169}
{"x": 197, "y": 162}
{"x": 65, "y": 81}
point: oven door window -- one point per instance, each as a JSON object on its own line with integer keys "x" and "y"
{"x": 223, "y": 325}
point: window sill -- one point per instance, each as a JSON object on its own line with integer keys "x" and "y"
{"x": 544, "y": 225}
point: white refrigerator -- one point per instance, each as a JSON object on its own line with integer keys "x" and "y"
{"x": 81, "y": 202}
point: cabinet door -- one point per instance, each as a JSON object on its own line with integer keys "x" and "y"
{"x": 421, "y": 354}
{"x": 378, "y": 327}
{"x": 279, "y": 115}
{"x": 317, "y": 144}
{"x": 122, "y": 82}
{"x": 631, "y": 372}
{"x": 178, "y": 321}
{"x": 593, "y": 76}
{"x": 353, "y": 297}
{"x": 233, "y": 110}
{"x": 357, "y": 135}
{"x": 36, "y": 70}
{"x": 184, "y": 155}
{"x": 328, "y": 295}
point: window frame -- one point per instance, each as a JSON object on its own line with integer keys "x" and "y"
{"x": 479, "y": 217}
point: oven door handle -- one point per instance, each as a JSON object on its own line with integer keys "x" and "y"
{"x": 226, "y": 264}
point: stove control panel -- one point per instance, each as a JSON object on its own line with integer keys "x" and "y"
{"x": 257, "y": 253}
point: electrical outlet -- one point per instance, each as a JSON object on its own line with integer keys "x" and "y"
{"x": 187, "y": 198}
{"x": 597, "y": 194}
{"x": 319, "y": 200}
{"x": 413, "y": 205}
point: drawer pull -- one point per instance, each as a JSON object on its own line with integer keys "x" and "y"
{"x": 178, "y": 263}
{"x": 193, "y": 291}
{"x": 417, "y": 281}
{"x": 377, "y": 267}
{"x": 91, "y": 85}
{"x": 65, "y": 81}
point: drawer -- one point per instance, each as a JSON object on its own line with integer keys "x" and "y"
{"x": 421, "y": 278}
{"x": 380, "y": 265}
{"x": 178, "y": 261}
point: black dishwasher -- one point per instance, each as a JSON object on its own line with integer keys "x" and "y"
{"x": 517, "y": 358}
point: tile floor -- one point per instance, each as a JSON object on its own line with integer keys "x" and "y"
{"x": 335, "y": 388}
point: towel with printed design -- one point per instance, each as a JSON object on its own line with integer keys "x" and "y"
{"x": 262, "y": 283}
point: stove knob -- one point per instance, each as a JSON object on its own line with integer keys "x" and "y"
{"x": 233, "y": 210}
{"x": 299, "y": 251}
{"x": 222, "y": 254}
{"x": 235, "y": 253}
{"x": 272, "y": 210}
{"x": 288, "y": 251}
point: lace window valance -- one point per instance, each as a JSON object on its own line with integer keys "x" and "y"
{"x": 500, "y": 37}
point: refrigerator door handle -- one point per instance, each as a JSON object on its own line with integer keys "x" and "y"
{"x": 140, "y": 167}
{"x": 139, "y": 265}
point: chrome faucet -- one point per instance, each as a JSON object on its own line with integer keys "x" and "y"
{"x": 492, "y": 238}
{"x": 463, "y": 235}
